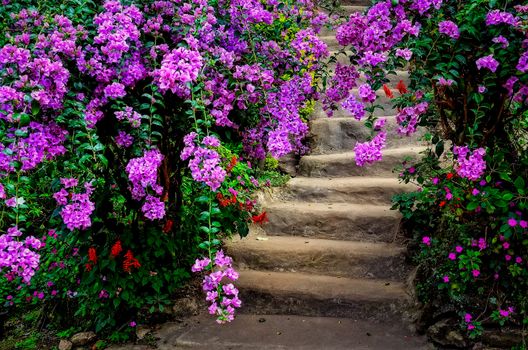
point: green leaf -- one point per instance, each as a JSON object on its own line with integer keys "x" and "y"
{"x": 519, "y": 183}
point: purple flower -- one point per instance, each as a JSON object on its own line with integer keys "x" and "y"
{"x": 487, "y": 62}
{"x": 366, "y": 93}
{"x": 496, "y": 17}
{"x": 471, "y": 165}
{"x": 475, "y": 273}
{"x": 449, "y": 28}
{"x": 501, "y": 40}
{"x": 354, "y": 106}
{"x": 123, "y": 139}
{"x": 512, "y": 222}
{"x": 178, "y": 69}
{"x": 370, "y": 152}
{"x": 114, "y": 90}
{"x": 405, "y": 53}
{"x": 143, "y": 172}
{"x": 69, "y": 182}
{"x": 522, "y": 66}
{"x": 200, "y": 264}
{"x": 76, "y": 214}
{"x": 153, "y": 208}
{"x": 426, "y": 240}
{"x": 445, "y": 82}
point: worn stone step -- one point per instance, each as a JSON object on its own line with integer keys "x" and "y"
{"x": 343, "y": 164}
{"x": 280, "y": 332}
{"x": 318, "y": 295}
{"x": 360, "y": 190}
{"x": 384, "y": 106}
{"x": 321, "y": 256}
{"x": 331, "y": 135}
{"x": 338, "y": 221}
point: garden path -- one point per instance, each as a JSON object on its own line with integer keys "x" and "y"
{"x": 328, "y": 271}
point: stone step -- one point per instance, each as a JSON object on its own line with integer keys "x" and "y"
{"x": 280, "y": 332}
{"x": 343, "y": 164}
{"x": 331, "y": 135}
{"x": 384, "y": 106}
{"x": 318, "y": 295}
{"x": 361, "y": 190}
{"x": 337, "y": 221}
{"x": 331, "y": 42}
{"x": 319, "y": 256}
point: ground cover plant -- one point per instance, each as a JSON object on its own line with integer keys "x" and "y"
{"x": 132, "y": 137}
{"x": 468, "y": 63}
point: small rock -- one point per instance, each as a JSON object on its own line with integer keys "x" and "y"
{"x": 506, "y": 338}
{"x": 142, "y": 331}
{"x": 445, "y": 333}
{"x": 82, "y": 338}
{"x": 65, "y": 344}
{"x": 185, "y": 307}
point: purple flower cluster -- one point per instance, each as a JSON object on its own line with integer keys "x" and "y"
{"x": 309, "y": 48}
{"x": 424, "y": 6}
{"x": 354, "y": 106}
{"x": 77, "y": 207}
{"x": 19, "y": 257}
{"x": 370, "y": 152}
{"x": 178, "y": 69}
{"x": 128, "y": 114}
{"x": 43, "y": 142}
{"x": 343, "y": 81}
{"x": 496, "y": 17}
{"x": 366, "y": 93}
{"x": 470, "y": 165}
{"x": 223, "y": 297}
{"x": 143, "y": 173}
{"x": 522, "y": 66}
{"x": 123, "y": 139}
{"x": 153, "y": 208}
{"x": 449, "y": 28}
{"x": 487, "y": 62}
{"x": 282, "y": 130}
{"x": 408, "y": 118}
{"x": 204, "y": 161}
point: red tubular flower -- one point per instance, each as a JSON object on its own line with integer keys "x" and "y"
{"x": 232, "y": 163}
{"x": 116, "y": 249}
{"x": 402, "y": 88}
{"x": 168, "y": 226}
{"x": 260, "y": 219}
{"x": 388, "y": 91}
{"x": 92, "y": 255}
{"x": 130, "y": 262}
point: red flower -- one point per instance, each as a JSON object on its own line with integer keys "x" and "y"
{"x": 92, "y": 255}
{"x": 88, "y": 267}
{"x": 260, "y": 219}
{"x": 388, "y": 91}
{"x": 449, "y": 176}
{"x": 442, "y": 203}
{"x": 401, "y": 87}
{"x": 116, "y": 249}
{"x": 130, "y": 262}
{"x": 168, "y": 226}
{"x": 232, "y": 163}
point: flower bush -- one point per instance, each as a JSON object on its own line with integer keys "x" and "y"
{"x": 128, "y": 134}
{"x": 469, "y": 91}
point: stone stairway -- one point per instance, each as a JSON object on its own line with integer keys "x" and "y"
{"x": 328, "y": 270}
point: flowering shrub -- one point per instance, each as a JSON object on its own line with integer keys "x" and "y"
{"x": 127, "y": 131}
{"x": 469, "y": 90}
